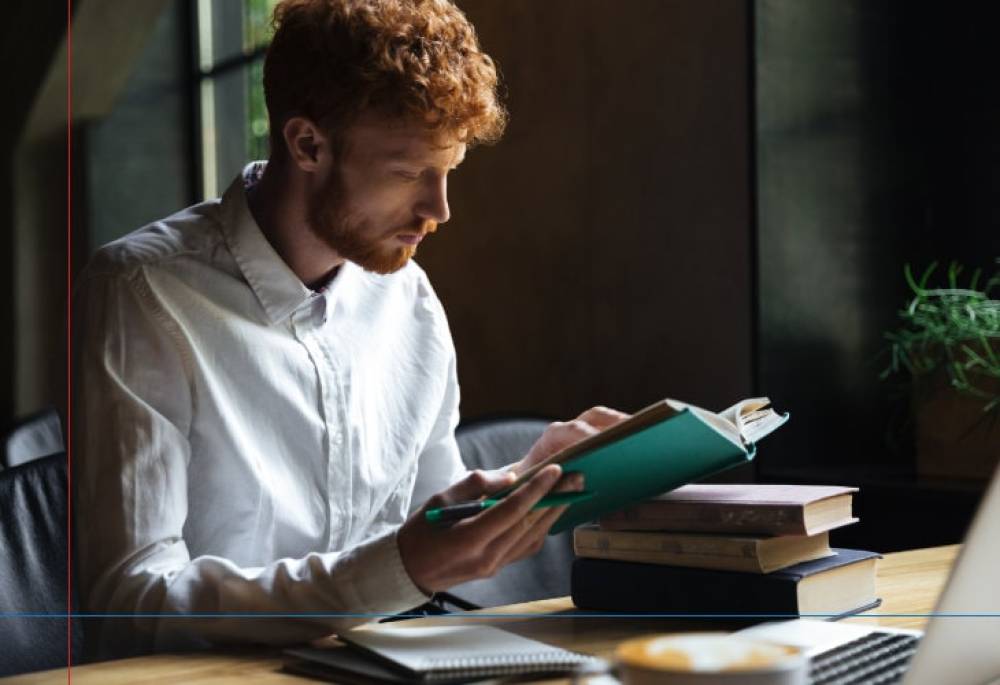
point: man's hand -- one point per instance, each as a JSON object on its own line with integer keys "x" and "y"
{"x": 477, "y": 547}
{"x": 561, "y": 434}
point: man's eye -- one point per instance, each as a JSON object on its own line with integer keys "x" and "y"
{"x": 407, "y": 175}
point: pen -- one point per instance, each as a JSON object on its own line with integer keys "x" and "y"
{"x": 457, "y": 512}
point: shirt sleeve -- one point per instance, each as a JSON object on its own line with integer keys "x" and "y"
{"x": 133, "y": 411}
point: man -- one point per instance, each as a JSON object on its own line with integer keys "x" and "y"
{"x": 266, "y": 383}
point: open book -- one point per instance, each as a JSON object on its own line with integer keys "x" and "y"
{"x": 666, "y": 445}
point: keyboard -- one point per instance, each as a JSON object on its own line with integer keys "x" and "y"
{"x": 874, "y": 659}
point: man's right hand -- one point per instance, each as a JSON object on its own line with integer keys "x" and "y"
{"x": 477, "y": 547}
{"x": 438, "y": 558}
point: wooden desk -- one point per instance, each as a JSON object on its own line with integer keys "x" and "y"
{"x": 908, "y": 582}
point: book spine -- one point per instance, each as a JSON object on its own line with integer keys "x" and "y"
{"x": 622, "y": 586}
{"x": 666, "y": 548}
{"x": 702, "y": 517}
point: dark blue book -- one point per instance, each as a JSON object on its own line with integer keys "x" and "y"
{"x": 829, "y": 587}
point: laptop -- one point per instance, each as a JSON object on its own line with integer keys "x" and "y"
{"x": 961, "y": 644}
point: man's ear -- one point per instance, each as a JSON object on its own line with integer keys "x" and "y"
{"x": 308, "y": 147}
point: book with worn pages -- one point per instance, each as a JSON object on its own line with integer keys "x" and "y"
{"x": 840, "y": 584}
{"x": 744, "y": 509}
{"x": 439, "y": 654}
{"x": 751, "y": 554}
{"x": 664, "y": 446}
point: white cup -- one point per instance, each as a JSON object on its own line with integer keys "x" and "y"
{"x": 703, "y": 658}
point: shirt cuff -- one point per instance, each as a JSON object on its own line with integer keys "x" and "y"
{"x": 385, "y": 582}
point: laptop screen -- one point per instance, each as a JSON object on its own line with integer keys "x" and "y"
{"x": 961, "y": 644}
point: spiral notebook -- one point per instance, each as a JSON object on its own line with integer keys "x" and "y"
{"x": 451, "y": 653}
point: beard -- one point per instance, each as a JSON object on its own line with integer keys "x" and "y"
{"x": 355, "y": 238}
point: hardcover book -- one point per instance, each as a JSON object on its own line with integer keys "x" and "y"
{"x": 723, "y": 552}
{"x": 839, "y": 584}
{"x": 744, "y": 509}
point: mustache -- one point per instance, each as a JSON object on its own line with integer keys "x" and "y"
{"x": 423, "y": 227}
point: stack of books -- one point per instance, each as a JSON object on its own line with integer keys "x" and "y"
{"x": 726, "y": 549}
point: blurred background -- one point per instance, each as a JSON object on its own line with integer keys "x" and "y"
{"x": 701, "y": 199}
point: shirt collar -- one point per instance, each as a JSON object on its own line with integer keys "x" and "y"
{"x": 276, "y": 286}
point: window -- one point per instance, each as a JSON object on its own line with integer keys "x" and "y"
{"x": 232, "y": 36}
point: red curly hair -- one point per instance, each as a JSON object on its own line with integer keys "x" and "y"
{"x": 332, "y": 59}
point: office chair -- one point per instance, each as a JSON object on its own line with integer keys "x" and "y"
{"x": 490, "y": 444}
{"x": 33, "y": 569}
{"x": 37, "y": 435}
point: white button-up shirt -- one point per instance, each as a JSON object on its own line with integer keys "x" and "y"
{"x": 244, "y": 444}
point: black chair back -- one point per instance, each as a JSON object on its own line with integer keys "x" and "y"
{"x": 34, "y": 436}
{"x": 490, "y": 444}
{"x": 33, "y": 568}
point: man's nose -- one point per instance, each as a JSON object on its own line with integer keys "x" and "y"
{"x": 434, "y": 201}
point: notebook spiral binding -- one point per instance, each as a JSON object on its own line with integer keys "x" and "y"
{"x": 504, "y": 664}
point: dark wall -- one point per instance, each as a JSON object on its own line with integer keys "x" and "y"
{"x": 877, "y": 146}
{"x": 949, "y": 104}
{"x": 601, "y": 252}
{"x": 29, "y": 36}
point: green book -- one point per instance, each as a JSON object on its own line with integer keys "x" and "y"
{"x": 662, "y": 447}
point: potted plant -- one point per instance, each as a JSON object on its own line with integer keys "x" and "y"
{"x": 947, "y": 344}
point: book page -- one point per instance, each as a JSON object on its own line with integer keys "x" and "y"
{"x": 744, "y": 423}
{"x": 756, "y": 419}
{"x": 736, "y": 413}
{"x": 723, "y": 424}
